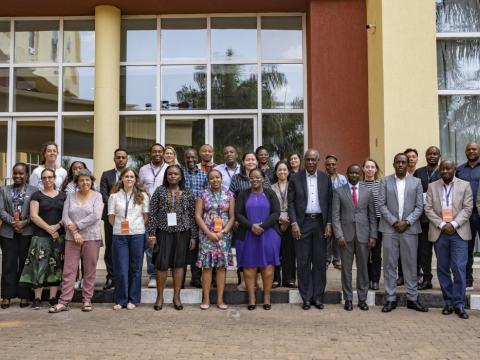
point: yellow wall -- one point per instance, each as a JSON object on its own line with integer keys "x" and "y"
{"x": 403, "y": 101}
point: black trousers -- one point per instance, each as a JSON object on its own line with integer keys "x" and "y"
{"x": 14, "y": 254}
{"x": 426, "y": 251}
{"x": 194, "y": 269}
{"x": 108, "y": 248}
{"x": 475, "y": 228}
{"x": 310, "y": 251}
{"x": 288, "y": 258}
{"x": 375, "y": 259}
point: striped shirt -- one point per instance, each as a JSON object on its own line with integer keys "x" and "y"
{"x": 374, "y": 186}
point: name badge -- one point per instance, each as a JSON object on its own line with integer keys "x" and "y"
{"x": 424, "y": 197}
{"x": 172, "y": 219}
{"x": 447, "y": 215}
{"x": 218, "y": 224}
{"x": 124, "y": 227}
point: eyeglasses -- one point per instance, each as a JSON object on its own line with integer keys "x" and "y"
{"x": 48, "y": 177}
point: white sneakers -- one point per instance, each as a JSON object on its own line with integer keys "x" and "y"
{"x": 152, "y": 283}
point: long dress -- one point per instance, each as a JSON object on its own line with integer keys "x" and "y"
{"x": 259, "y": 251}
{"x": 215, "y": 254}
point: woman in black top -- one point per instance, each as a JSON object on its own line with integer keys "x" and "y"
{"x": 44, "y": 264}
{"x": 171, "y": 231}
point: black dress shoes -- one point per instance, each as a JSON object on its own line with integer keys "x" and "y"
{"x": 462, "y": 314}
{"x": 447, "y": 310}
{"x": 415, "y": 305}
{"x": 400, "y": 281}
{"x": 375, "y": 285}
{"x": 363, "y": 305}
{"x": 319, "y": 305}
{"x": 109, "y": 284}
{"x": 389, "y": 306}
{"x": 348, "y": 305}
{"x": 157, "y": 307}
{"x": 306, "y": 305}
{"x": 251, "y": 307}
{"x": 425, "y": 285}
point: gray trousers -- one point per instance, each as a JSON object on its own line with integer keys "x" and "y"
{"x": 406, "y": 246}
{"x": 360, "y": 251}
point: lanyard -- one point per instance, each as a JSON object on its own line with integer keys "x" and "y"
{"x": 430, "y": 176}
{"x": 127, "y": 201}
{"x": 158, "y": 172}
{"x": 228, "y": 172}
{"x": 216, "y": 201}
{"x": 284, "y": 194}
{"x": 447, "y": 194}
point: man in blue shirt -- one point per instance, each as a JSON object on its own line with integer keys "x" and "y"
{"x": 470, "y": 171}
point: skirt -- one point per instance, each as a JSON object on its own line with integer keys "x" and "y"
{"x": 171, "y": 250}
{"x": 44, "y": 264}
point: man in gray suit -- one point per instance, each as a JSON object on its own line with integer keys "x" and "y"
{"x": 401, "y": 204}
{"x": 355, "y": 228}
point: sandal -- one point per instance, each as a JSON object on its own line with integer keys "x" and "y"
{"x": 117, "y": 307}
{"x": 87, "y": 307}
{"x": 55, "y": 309}
{"x": 222, "y": 306}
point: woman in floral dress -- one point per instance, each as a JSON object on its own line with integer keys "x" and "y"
{"x": 214, "y": 214}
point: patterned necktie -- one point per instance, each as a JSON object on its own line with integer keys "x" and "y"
{"x": 354, "y": 196}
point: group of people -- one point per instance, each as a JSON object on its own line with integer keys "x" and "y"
{"x": 287, "y": 223}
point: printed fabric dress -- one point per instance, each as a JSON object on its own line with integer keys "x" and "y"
{"x": 215, "y": 254}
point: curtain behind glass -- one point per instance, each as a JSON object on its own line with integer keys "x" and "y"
{"x": 458, "y": 15}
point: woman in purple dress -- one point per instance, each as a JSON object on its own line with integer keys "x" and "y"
{"x": 257, "y": 211}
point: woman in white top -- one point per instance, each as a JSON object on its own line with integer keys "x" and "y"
{"x": 48, "y": 160}
{"x": 128, "y": 213}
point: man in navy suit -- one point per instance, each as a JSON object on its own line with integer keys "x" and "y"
{"x": 310, "y": 212}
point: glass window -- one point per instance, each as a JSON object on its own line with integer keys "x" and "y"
{"x": 184, "y": 133}
{"x": 137, "y": 134}
{"x": 31, "y": 134}
{"x": 77, "y": 140}
{"x": 138, "y": 88}
{"x": 4, "y": 89}
{"x": 79, "y": 41}
{"x": 458, "y": 15}
{"x": 281, "y": 37}
{"x": 184, "y": 39}
{"x": 138, "y": 40}
{"x": 459, "y": 119}
{"x": 237, "y": 132}
{"x": 184, "y": 87}
{"x": 36, "y": 89}
{"x": 78, "y": 88}
{"x": 3, "y": 152}
{"x": 4, "y": 41}
{"x": 282, "y": 134}
{"x": 234, "y": 38}
{"x": 234, "y": 87}
{"x": 36, "y": 41}
{"x": 282, "y": 86}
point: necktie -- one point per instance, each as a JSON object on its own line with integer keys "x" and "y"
{"x": 354, "y": 196}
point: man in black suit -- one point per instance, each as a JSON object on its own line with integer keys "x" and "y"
{"x": 310, "y": 212}
{"x": 108, "y": 179}
{"x": 427, "y": 174}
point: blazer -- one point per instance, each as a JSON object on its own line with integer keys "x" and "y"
{"x": 422, "y": 174}
{"x": 108, "y": 179}
{"x": 388, "y": 203}
{"x": 7, "y": 213}
{"x": 349, "y": 221}
{"x": 241, "y": 214}
{"x": 298, "y": 197}
{"x": 462, "y": 208}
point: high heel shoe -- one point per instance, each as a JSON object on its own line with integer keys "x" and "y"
{"x": 267, "y": 306}
{"x": 5, "y": 304}
{"x": 251, "y": 307}
{"x": 158, "y": 307}
{"x": 178, "y": 307}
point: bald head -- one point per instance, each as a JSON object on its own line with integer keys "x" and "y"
{"x": 311, "y": 160}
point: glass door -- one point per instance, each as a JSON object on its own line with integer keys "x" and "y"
{"x": 4, "y": 152}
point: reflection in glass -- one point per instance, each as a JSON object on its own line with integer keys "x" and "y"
{"x": 78, "y": 88}
{"x": 36, "y": 41}
{"x": 234, "y": 87}
{"x": 77, "y": 140}
{"x": 458, "y": 64}
{"x": 4, "y": 89}
{"x": 137, "y": 134}
{"x": 281, "y": 37}
{"x": 79, "y": 41}
{"x": 458, "y": 16}
{"x": 282, "y": 86}
{"x": 137, "y": 88}
{"x": 282, "y": 134}
{"x": 3, "y": 152}
{"x": 184, "y": 87}
{"x": 138, "y": 40}
{"x": 36, "y": 89}
{"x": 236, "y": 132}
{"x": 182, "y": 134}
{"x": 184, "y": 39}
{"x": 30, "y": 137}
{"x": 4, "y": 42}
{"x": 234, "y": 38}
{"x": 459, "y": 119}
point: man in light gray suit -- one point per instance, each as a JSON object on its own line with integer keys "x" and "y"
{"x": 355, "y": 228}
{"x": 401, "y": 204}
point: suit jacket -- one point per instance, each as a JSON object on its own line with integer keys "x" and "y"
{"x": 108, "y": 179}
{"x": 7, "y": 212}
{"x": 349, "y": 221}
{"x": 422, "y": 174}
{"x": 298, "y": 197}
{"x": 462, "y": 208}
{"x": 388, "y": 203}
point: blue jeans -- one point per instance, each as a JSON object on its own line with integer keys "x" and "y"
{"x": 127, "y": 254}
{"x": 452, "y": 256}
